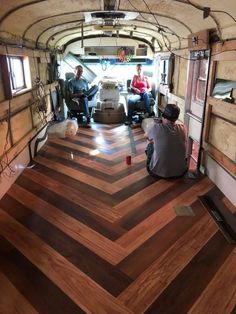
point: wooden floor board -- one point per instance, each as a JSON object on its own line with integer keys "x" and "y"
{"x": 83, "y": 232}
{"x": 197, "y": 271}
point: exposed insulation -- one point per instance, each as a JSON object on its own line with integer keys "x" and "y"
{"x": 183, "y": 66}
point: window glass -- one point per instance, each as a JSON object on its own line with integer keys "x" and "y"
{"x": 17, "y": 73}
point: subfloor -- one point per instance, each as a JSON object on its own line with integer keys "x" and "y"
{"x": 83, "y": 232}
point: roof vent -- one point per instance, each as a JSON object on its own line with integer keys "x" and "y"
{"x": 109, "y": 15}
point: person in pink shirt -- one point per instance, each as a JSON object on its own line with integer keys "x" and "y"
{"x": 141, "y": 88}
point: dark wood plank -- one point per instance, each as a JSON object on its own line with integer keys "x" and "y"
{"x": 87, "y": 294}
{"x": 40, "y": 291}
{"x": 140, "y": 259}
{"x": 184, "y": 291}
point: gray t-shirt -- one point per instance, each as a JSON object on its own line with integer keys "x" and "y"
{"x": 168, "y": 159}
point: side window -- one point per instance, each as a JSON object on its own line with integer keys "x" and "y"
{"x": 18, "y": 67}
{"x": 16, "y": 73}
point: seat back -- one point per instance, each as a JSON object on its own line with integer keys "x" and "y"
{"x": 73, "y": 107}
{"x": 140, "y": 106}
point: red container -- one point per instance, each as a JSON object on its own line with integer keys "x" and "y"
{"x": 128, "y": 160}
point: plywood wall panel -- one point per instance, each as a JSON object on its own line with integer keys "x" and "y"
{"x": 223, "y": 109}
{"x": 21, "y": 124}
{"x": 39, "y": 116}
{"x": 43, "y": 72}
{"x": 2, "y": 96}
{"x": 34, "y": 70}
{"x": 183, "y": 67}
{"x": 5, "y": 140}
{"x": 223, "y": 137}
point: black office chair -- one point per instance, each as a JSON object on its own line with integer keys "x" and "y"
{"x": 75, "y": 108}
{"x": 140, "y": 109}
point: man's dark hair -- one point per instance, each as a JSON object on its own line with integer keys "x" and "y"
{"x": 78, "y": 66}
{"x": 171, "y": 112}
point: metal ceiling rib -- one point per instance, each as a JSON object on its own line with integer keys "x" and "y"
{"x": 8, "y": 13}
{"x": 113, "y": 35}
{"x": 145, "y": 28}
{"x": 172, "y": 19}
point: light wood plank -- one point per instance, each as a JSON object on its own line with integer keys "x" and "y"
{"x": 79, "y": 175}
{"x": 152, "y": 282}
{"x": 89, "y": 151}
{"x": 220, "y": 295}
{"x": 102, "y": 185}
{"x": 94, "y": 241}
{"x": 148, "y": 227}
{"x": 143, "y": 196}
{"x": 93, "y": 164}
{"x": 11, "y": 300}
{"x": 229, "y": 205}
{"x": 92, "y": 204}
{"x": 75, "y": 284}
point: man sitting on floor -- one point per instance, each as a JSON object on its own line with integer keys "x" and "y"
{"x": 166, "y": 152}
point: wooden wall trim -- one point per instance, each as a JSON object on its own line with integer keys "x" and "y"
{"x": 17, "y": 51}
{"x": 212, "y": 74}
{"x": 206, "y": 130}
{"x": 223, "y": 160}
{"x": 5, "y": 74}
{"x": 223, "y": 109}
{"x": 224, "y": 51}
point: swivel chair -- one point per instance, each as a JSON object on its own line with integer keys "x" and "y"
{"x": 75, "y": 109}
{"x": 140, "y": 109}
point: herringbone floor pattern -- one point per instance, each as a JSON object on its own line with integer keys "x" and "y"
{"x": 82, "y": 232}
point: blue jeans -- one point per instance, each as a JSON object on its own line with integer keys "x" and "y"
{"x": 149, "y": 152}
{"x": 88, "y": 95}
{"x": 134, "y": 99}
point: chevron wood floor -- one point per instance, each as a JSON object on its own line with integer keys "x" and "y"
{"x": 82, "y": 232}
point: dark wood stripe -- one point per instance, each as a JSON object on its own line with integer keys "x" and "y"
{"x": 201, "y": 269}
{"x": 140, "y": 259}
{"x": 69, "y": 278}
{"x": 103, "y": 237}
{"x": 134, "y": 188}
{"x": 106, "y": 275}
{"x": 112, "y": 232}
{"x": 138, "y": 215}
{"x": 41, "y": 292}
{"x": 79, "y": 186}
{"x": 93, "y": 171}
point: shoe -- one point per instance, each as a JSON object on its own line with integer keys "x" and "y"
{"x": 128, "y": 122}
{"x": 88, "y": 120}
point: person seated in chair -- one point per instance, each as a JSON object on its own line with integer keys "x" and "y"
{"x": 80, "y": 92}
{"x": 141, "y": 89}
{"x": 166, "y": 151}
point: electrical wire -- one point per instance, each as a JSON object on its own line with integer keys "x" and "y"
{"x": 219, "y": 11}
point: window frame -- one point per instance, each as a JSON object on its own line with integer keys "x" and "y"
{"x": 14, "y": 86}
